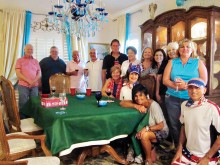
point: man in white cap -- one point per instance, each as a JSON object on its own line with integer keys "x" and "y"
{"x": 199, "y": 137}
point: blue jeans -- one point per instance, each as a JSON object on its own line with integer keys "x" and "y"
{"x": 173, "y": 105}
{"x": 24, "y": 94}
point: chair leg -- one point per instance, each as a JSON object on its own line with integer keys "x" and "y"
{"x": 34, "y": 153}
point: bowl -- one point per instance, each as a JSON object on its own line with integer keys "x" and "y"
{"x": 102, "y": 103}
{"x": 80, "y": 96}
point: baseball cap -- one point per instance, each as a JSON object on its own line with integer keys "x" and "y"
{"x": 196, "y": 82}
{"x": 134, "y": 69}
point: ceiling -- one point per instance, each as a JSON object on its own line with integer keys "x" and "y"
{"x": 113, "y": 7}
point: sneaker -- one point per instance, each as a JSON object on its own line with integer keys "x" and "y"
{"x": 130, "y": 156}
{"x": 138, "y": 159}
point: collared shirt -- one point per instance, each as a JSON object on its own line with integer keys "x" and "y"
{"x": 29, "y": 67}
{"x": 109, "y": 60}
{"x": 125, "y": 65}
{"x": 77, "y": 81}
{"x": 95, "y": 75}
{"x": 49, "y": 66}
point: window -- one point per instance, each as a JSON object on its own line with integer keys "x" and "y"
{"x": 42, "y": 41}
{"x": 135, "y": 43}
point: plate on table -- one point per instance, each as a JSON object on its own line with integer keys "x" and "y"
{"x": 102, "y": 103}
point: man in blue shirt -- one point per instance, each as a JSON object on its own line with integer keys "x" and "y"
{"x": 49, "y": 66}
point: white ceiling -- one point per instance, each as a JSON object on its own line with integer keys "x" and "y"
{"x": 113, "y": 7}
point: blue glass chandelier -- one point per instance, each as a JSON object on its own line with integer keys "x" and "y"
{"x": 78, "y": 18}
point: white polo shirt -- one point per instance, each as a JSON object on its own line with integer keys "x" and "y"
{"x": 77, "y": 81}
{"x": 95, "y": 75}
{"x": 197, "y": 122}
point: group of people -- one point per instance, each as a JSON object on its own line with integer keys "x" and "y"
{"x": 180, "y": 107}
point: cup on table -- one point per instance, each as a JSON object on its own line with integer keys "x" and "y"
{"x": 45, "y": 95}
{"x": 88, "y": 92}
{"x": 73, "y": 91}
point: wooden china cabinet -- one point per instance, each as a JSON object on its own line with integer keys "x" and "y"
{"x": 200, "y": 24}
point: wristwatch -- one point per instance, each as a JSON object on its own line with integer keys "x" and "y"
{"x": 147, "y": 128}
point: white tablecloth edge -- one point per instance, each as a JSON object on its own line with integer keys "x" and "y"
{"x": 89, "y": 143}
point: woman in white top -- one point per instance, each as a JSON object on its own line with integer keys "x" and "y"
{"x": 132, "y": 75}
{"x": 132, "y": 59}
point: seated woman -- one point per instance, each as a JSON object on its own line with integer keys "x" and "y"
{"x": 132, "y": 76}
{"x": 152, "y": 128}
{"x": 113, "y": 84}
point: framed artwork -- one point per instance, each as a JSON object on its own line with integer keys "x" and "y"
{"x": 101, "y": 48}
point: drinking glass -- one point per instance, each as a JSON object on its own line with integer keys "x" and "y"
{"x": 177, "y": 80}
{"x": 98, "y": 96}
{"x": 53, "y": 90}
{"x": 108, "y": 92}
{"x": 62, "y": 97}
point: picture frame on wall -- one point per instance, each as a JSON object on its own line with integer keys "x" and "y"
{"x": 102, "y": 49}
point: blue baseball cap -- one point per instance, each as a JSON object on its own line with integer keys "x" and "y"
{"x": 196, "y": 82}
{"x": 134, "y": 69}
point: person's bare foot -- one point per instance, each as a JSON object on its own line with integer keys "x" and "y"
{"x": 149, "y": 162}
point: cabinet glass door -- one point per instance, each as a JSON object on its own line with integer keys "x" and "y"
{"x": 199, "y": 36}
{"x": 161, "y": 37}
{"x": 178, "y": 31}
{"x": 147, "y": 42}
{"x": 216, "y": 64}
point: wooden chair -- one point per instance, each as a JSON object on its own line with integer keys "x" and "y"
{"x": 14, "y": 163}
{"x": 10, "y": 105}
{"x": 61, "y": 82}
{"x": 150, "y": 83}
{"x": 17, "y": 145}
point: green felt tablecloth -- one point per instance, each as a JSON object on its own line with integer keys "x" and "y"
{"x": 82, "y": 122}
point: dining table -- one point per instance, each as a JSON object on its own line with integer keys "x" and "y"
{"x": 83, "y": 124}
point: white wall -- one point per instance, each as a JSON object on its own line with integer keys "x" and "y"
{"x": 106, "y": 34}
{"x": 110, "y": 31}
{"x": 1, "y": 30}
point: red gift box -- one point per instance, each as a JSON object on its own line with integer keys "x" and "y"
{"x": 53, "y": 102}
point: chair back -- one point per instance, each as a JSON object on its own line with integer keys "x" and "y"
{"x": 24, "y": 162}
{"x": 149, "y": 82}
{"x": 10, "y": 104}
{"x": 61, "y": 82}
{"x": 4, "y": 148}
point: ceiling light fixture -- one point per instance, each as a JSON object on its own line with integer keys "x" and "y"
{"x": 78, "y": 18}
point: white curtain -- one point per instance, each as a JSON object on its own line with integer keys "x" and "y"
{"x": 81, "y": 45}
{"x": 122, "y": 32}
{"x": 11, "y": 39}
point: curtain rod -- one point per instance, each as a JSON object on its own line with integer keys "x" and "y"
{"x": 1, "y": 10}
{"x": 39, "y": 14}
{"x": 140, "y": 10}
